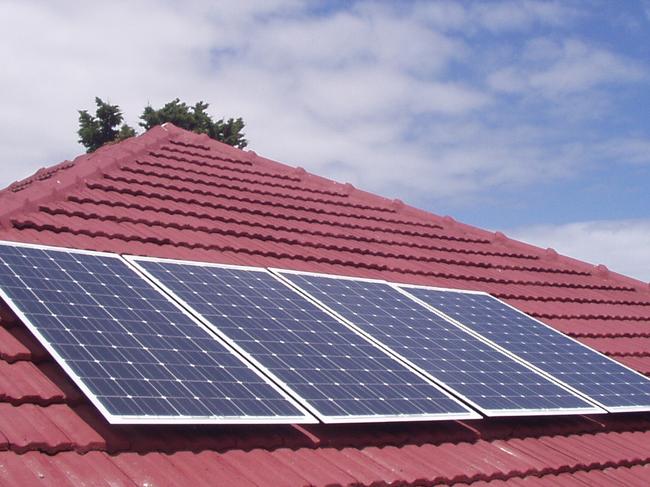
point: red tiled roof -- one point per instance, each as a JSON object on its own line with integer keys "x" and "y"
{"x": 171, "y": 193}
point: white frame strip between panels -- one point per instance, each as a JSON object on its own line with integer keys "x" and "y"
{"x": 616, "y": 409}
{"x": 428, "y": 375}
{"x": 323, "y": 417}
{"x": 133, "y": 419}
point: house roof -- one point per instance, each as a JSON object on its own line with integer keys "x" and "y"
{"x": 172, "y": 193}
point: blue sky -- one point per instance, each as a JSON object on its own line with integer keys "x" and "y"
{"x": 529, "y": 117}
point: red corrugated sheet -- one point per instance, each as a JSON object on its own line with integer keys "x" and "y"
{"x": 171, "y": 193}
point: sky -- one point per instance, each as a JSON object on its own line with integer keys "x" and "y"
{"x": 527, "y": 117}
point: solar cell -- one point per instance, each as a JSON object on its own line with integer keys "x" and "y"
{"x": 339, "y": 375}
{"x": 607, "y": 382}
{"x": 137, "y": 356}
{"x": 485, "y": 377}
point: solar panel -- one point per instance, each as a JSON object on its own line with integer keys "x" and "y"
{"x": 605, "y": 381}
{"x": 337, "y": 374}
{"x": 137, "y": 356}
{"x": 483, "y": 376}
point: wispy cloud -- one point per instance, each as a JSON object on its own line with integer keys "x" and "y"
{"x": 627, "y": 150}
{"x": 553, "y": 68}
{"x": 504, "y": 16}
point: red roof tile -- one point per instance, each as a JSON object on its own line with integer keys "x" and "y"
{"x": 171, "y": 193}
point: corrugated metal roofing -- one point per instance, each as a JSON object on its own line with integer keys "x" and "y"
{"x": 171, "y": 193}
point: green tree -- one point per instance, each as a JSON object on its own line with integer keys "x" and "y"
{"x": 101, "y": 128}
{"x": 196, "y": 119}
{"x": 230, "y": 132}
{"x": 95, "y": 131}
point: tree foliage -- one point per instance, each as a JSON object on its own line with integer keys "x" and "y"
{"x": 95, "y": 131}
{"x": 101, "y": 128}
{"x": 197, "y": 120}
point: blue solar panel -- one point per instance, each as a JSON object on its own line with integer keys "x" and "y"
{"x": 482, "y": 375}
{"x": 608, "y": 383}
{"x": 339, "y": 375}
{"x": 138, "y": 356}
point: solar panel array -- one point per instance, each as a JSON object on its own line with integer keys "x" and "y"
{"x": 339, "y": 375}
{"x": 611, "y": 384}
{"x": 482, "y": 375}
{"x": 136, "y": 354}
{"x": 161, "y": 341}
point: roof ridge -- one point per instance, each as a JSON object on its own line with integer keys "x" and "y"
{"x": 37, "y": 190}
{"x": 447, "y": 223}
{"x": 39, "y": 175}
{"x": 550, "y": 254}
{"x": 395, "y": 204}
{"x": 597, "y": 270}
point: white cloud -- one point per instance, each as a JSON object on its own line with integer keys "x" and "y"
{"x": 312, "y": 90}
{"x": 58, "y": 57}
{"x": 348, "y": 93}
{"x": 359, "y": 38}
{"x": 519, "y": 15}
{"x": 629, "y": 150}
{"x": 504, "y": 16}
{"x": 579, "y": 66}
{"x": 621, "y": 245}
{"x": 555, "y": 68}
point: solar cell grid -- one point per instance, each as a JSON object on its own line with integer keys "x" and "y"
{"x": 607, "y": 382}
{"x": 482, "y": 375}
{"x": 338, "y": 374}
{"x": 136, "y": 355}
